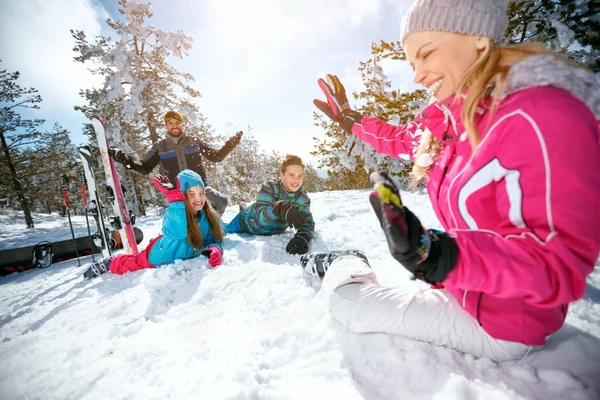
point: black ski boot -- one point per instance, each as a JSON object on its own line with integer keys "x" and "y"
{"x": 317, "y": 264}
{"x": 98, "y": 268}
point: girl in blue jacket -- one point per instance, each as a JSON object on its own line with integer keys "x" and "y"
{"x": 191, "y": 228}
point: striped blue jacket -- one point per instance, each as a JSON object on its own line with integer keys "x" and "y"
{"x": 258, "y": 218}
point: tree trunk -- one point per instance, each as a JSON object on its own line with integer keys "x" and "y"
{"x": 47, "y": 207}
{"x": 141, "y": 203}
{"x": 17, "y": 183}
{"x": 152, "y": 127}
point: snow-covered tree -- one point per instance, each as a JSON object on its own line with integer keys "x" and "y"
{"x": 312, "y": 181}
{"x": 15, "y": 133}
{"x": 571, "y": 27}
{"x": 349, "y": 160}
{"x": 244, "y": 170}
{"x": 139, "y": 83}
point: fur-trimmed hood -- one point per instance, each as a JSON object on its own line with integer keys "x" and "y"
{"x": 545, "y": 70}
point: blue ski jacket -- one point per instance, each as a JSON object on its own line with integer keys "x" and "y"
{"x": 258, "y": 218}
{"x": 173, "y": 244}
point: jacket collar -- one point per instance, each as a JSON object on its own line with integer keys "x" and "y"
{"x": 442, "y": 119}
{"x": 177, "y": 139}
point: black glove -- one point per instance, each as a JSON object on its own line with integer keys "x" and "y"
{"x": 299, "y": 243}
{"x": 337, "y": 107}
{"x": 119, "y": 155}
{"x": 429, "y": 255}
{"x": 290, "y": 212}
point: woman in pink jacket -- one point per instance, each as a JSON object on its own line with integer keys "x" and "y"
{"x": 509, "y": 151}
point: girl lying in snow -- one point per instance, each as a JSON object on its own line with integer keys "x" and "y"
{"x": 509, "y": 152}
{"x": 190, "y": 228}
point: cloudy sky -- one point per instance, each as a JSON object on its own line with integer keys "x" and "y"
{"x": 256, "y": 62}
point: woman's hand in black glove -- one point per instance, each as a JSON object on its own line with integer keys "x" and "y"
{"x": 429, "y": 255}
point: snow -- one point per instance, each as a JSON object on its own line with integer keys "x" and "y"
{"x": 254, "y": 328}
{"x": 564, "y": 34}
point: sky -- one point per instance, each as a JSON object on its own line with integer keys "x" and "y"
{"x": 256, "y": 327}
{"x": 256, "y": 62}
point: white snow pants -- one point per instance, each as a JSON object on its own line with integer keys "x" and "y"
{"x": 417, "y": 311}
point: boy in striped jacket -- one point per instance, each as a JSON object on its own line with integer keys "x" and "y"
{"x": 281, "y": 203}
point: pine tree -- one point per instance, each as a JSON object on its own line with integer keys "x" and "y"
{"x": 54, "y": 155}
{"x": 139, "y": 83}
{"x": 15, "y": 133}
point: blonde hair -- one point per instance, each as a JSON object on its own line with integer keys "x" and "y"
{"x": 487, "y": 74}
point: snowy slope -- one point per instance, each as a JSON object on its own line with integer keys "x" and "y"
{"x": 255, "y": 328}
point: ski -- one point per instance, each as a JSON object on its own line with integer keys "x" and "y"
{"x": 123, "y": 221}
{"x": 94, "y": 205}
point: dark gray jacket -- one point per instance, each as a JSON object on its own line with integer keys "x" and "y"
{"x": 174, "y": 158}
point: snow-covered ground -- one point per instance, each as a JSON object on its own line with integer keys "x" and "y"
{"x": 254, "y": 328}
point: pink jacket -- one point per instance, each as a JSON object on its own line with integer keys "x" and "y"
{"x": 524, "y": 208}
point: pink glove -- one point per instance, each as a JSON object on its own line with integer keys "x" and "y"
{"x": 215, "y": 255}
{"x": 166, "y": 187}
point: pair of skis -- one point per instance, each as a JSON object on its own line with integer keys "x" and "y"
{"x": 123, "y": 221}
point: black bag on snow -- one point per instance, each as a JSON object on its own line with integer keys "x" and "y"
{"x": 42, "y": 255}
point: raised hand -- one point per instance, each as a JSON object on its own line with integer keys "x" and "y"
{"x": 163, "y": 184}
{"x": 336, "y": 107}
{"x": 119, "y": 155}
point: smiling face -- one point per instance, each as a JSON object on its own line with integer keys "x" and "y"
{"x": 441, "y": 59}
{"x": 196, "y": 197}
{"x": 292, "y": 177}
{"x": 174, "y": 127}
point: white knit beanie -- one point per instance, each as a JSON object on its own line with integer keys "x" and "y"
{"x": 474, "y": 17}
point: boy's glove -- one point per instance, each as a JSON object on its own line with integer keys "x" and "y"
{"x": 429, "y": 255}
{"x": 166, "y": 187}
{"x": 337, "y": 107}
{"x": 214, "y": 254}
{"x": 299, "y": 243}
{"x": 290, "y": 212}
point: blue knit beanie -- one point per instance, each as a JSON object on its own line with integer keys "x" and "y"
{"x": 188, "y": 179}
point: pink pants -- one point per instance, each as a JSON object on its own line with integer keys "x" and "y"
{"x": 124, "y": 263}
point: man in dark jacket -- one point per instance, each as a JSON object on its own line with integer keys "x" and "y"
{"x": 281, "y": 203}
{"x": 177, "y": 152}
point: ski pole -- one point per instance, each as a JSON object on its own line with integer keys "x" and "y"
{"x": 87, "y": 221}
{"x": 65, "y": 187}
